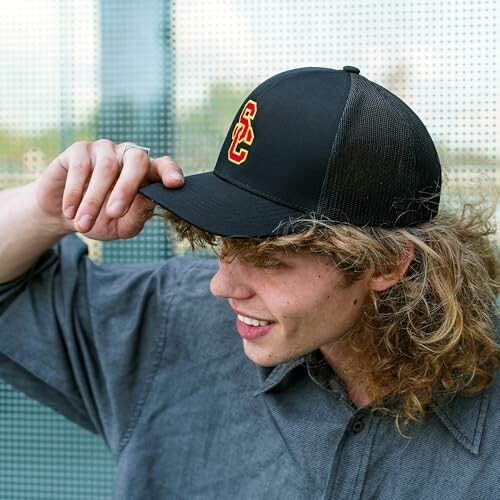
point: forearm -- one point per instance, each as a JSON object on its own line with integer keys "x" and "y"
{"x": 26, "y": 232}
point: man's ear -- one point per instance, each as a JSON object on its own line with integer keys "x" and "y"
{"x": 382, "y": 282}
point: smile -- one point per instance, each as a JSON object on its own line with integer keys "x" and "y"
{"x": 252, "y": 321}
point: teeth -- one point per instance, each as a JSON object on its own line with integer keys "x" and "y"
{"x": 252, "y": 321}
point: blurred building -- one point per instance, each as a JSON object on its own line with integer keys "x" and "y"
{"x": 136, "y": 79}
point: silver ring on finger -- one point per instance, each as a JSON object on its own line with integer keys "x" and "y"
{"x": 130, "y": 145}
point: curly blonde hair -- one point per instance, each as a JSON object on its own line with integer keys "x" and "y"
{"x": 431, "y": 335}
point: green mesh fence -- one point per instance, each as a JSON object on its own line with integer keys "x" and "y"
{"x": 44, "y": 456}
{"x": 170, "y": 75}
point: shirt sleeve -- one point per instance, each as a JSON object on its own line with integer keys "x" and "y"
{"x": 85, "y": 339}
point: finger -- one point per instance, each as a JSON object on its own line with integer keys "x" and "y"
{"x": 76, "y": 159}
{"x": 167, "y": 170}
{"x": 136, "y": 165}
{"x": 132, "y": 223}
{"x": 104, "y": 174}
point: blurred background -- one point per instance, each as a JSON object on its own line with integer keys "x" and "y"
{"x": 171, "y": 75}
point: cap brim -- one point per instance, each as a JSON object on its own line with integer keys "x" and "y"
{"x": 219, "y": 207}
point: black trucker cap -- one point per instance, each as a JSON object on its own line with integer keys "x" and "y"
{"x": 313, "y": 141}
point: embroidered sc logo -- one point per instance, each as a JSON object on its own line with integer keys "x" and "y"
{"x": 242, "y": 134}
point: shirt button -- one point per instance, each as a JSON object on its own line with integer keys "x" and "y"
{"x": 357, "y": 426}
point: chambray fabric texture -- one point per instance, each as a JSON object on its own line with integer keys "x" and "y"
{"x": 147, "y": 358}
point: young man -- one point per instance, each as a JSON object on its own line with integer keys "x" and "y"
{"x": 365, "y": 365}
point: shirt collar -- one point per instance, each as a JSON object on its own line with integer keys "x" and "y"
{"x": 271, "y": 377}
{"x": 464, "y": 416}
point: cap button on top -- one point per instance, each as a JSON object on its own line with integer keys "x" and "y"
{"x": 351, "y": 69}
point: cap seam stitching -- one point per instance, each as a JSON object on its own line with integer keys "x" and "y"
{"x": 261, "y": 194}
{"x": 332, "y": 147}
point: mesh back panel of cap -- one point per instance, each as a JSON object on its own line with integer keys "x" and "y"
{"x": 382, "y": 168}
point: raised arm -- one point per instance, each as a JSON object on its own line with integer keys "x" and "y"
{"x": 90, "y": 188}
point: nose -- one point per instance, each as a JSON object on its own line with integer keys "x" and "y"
{"x": 231, "y": 281}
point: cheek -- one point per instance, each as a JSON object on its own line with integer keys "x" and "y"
{"x": 318, "y": 299}
{"x": 302, "y": 310}
{"x": 334, "y": 307}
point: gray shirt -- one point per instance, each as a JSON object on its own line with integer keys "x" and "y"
{"x": 147, "y": 358}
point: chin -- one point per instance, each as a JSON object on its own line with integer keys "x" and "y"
{"x": 265, "y": 357}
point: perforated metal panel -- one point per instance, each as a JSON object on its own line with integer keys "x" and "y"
{"x": 171, "y": 76}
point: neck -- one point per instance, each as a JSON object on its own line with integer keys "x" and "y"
{"x": 353, "y": 370}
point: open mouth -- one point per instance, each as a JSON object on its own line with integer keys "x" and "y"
{"x": 253, "y": 321}
{"x": 252, "y": 328}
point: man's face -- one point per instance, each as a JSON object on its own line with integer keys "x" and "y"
{"x": 292, "y": 308}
